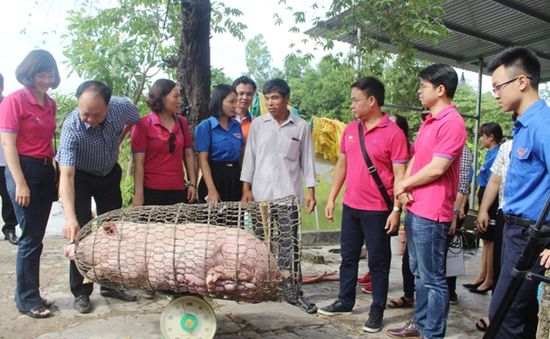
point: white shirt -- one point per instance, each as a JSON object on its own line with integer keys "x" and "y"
{"x": 277, "y": 156}
{"x": 500, "y": 167}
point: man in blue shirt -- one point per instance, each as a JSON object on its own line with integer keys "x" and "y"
{"x": 87, "y": 156}
{"x": 515, "y": 75}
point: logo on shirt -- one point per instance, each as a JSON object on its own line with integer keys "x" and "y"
{"x": 350, "y": 138}
{"x": 237, "y": 135}
{"x": 521, "y": 152}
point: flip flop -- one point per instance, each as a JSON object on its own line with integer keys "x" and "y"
{"x": 47, "y": 302}
{"x": 402, "y": 302}
{"x": 481, "y": 325}
{"x": 38, "y": 312}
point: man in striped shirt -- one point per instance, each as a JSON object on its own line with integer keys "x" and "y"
{"x": 87, "y": 156}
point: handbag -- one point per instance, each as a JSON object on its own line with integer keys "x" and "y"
{"x": 455, "y": 256}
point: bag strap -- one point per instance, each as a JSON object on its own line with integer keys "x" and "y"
{"x": 373, "y": 171}
{"x": 182, "y": 133}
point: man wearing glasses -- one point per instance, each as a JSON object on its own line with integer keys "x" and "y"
{"x": 87, "y": 157}
{"x": 515, "y": 74}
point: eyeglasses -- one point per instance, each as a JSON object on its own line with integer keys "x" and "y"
{"x": 498, "y": 88}
{"x": 172, "y": 143}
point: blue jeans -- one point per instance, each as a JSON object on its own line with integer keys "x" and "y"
{"x": 522, "y": 317}
{"x": 358, "y": 227}
{"x": 426, "y": 242}
{"x": 32, "y": 219}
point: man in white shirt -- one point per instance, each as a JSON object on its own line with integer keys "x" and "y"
{"x": 278, "y": 154}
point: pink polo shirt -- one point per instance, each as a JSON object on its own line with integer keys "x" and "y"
{"x": 386, "y": 145}
{"x": 442, "y": 136}
{"x": 34, "y": 124}
{"x": 162, "y": 170}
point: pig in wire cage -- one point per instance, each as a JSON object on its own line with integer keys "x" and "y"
{"x": 239, "y": 251}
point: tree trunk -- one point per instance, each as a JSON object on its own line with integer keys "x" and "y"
{"x": 194, "y": 59}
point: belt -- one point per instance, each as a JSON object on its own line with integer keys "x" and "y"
{"x": 223, "y": 163}
{"x": 519, "y": 221}
{"x": 43, "y": 161}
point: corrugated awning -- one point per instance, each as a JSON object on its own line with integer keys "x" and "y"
{"x": 479, "y": 29}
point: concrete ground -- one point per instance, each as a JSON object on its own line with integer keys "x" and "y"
{"x": 115, "y": 319}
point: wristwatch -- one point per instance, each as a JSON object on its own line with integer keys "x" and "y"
{"x": 396, "y": 209}
{"x": 457, "y": 212}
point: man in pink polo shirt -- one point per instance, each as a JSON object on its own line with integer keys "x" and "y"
{"x": 428, "y": 191}
{"x": 366, "y": 216}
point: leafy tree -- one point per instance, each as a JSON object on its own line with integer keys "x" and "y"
{"x": 127, "y": 44}
{"x": 219, "y": 77}
{"x": 258, "y": 60}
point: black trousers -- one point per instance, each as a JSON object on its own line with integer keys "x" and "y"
{"x": 106, "y": 193}
{"x": 8, "y": 214}
{"x": 163, "y": 197}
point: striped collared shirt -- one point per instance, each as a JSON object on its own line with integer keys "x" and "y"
{"x": 94, "y": 150}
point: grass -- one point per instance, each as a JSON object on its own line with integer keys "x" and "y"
{"x": 321, "y": 194}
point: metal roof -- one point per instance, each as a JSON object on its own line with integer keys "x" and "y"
{"x": 478, "y": 29}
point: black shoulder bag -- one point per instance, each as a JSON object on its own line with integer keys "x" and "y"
{"x": 372, "y": 170}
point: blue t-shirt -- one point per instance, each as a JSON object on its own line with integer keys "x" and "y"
{"x": 220, "y": 143}
{"x": 485, "y": 171}
{"x": 528, "y": 179}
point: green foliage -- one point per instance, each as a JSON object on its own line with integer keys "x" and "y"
{"x": 323, "y": 91}
{"x": 219, "y": 77}
{"x": 123, "y": 45}
{"x": 258, "y": 60}
{"x": 66, "y": 103}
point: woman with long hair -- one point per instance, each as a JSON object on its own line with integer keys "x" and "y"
{"x": 490, "y": 138}
{"x": 27, "y": 126}
{"x": 220, "y": 143}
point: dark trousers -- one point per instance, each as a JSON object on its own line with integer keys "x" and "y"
{"x": 358, "y": 227}
{"x": 521, "y": 320}
{"x": 497, "y": 247}
{"x": 163, "y": 197}
{"x": 32, "y": 220}
{"x": 408, "y": 277}
{"x": 8, "y": 214}
{"x": 226, "y": 177}
{"x": 106, "y": 193}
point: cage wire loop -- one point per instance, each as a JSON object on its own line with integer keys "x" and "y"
{"x": 243, "y": 251}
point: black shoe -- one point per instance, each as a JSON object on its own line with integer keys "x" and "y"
{"x": 82, "y": 304}
{"x": 306, "y": 305}
{"x": 117, "y": 294}
{"x": 336, "y": 308}
{"x": 11, "y": 237}
{"x": 374, "y": 323}
{"x": 453, "y": 299}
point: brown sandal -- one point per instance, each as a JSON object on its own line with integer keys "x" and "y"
{"x": 401, "y": 302}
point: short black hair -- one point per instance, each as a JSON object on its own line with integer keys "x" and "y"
{"x": 441, "y": 74}
{"x": 37, "y": 61}
{"x": 372, "y": 87}
{"x": 103, "y": 91}
{"x": 492, "y": 128}
{"x": 244, "y": 80}
{"x": 220, "y": 92}
{"x": 521, "y": 60}
{"x": 160, "y": 89}
{"x": 1, "y": 80}
{"x": 276, "y": 85}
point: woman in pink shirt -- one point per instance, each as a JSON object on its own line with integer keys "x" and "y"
{"x": 162, "y": 145}
{"x": 27, "y": 125}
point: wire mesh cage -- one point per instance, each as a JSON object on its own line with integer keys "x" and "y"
{"x": 246, "y": 252}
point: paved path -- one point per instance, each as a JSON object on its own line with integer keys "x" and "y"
{"x": 141, "y": 319}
